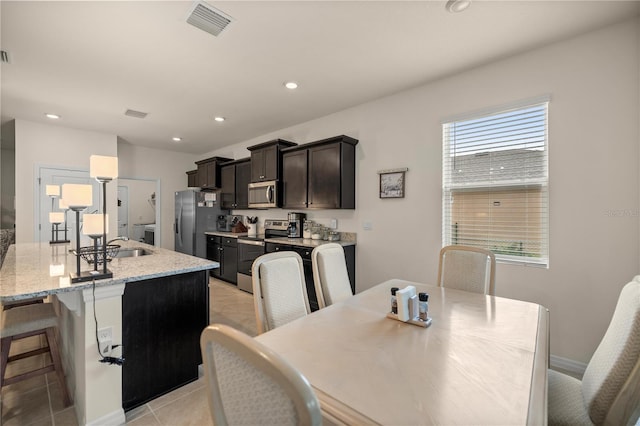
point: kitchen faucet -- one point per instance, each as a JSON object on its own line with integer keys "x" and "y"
{"x": 118, "y": 238}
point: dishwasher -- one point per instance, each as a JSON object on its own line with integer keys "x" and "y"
{"x": 249, "y": 249}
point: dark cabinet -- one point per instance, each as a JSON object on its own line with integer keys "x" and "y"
{"x": 208, "y": 174}
{"x": 320, "y": 175}
{"x": 266, "y": 160}
{"x": 192, "y": 179}
{"x": 223, "y": 250}
{"x": 162, "y": 319}
{"x": 234, "y": 178}
{"x": 305, "y": 254}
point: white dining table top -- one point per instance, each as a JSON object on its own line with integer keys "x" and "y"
{"x": 483, "y": 360}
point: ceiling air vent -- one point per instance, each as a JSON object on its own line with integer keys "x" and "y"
{"x": 134, "y": 113}
{"x": 208, "y": 18}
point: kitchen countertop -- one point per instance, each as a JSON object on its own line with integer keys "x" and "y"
{"x": 226, "y": 234}
{"x": 40, "y": 269}
{"x": 347, "y": 239}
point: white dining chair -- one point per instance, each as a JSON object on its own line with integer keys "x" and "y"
{"x": 609, "y": 393}
{"x": 330, "y": 277}
{"x": 249, "y": 384}
{"x": 279, "y": 289}
{"x": 467, "y": 268}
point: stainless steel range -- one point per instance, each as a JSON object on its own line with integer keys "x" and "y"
{"x": 250, "y": 248}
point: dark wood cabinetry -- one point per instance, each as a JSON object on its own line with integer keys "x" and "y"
{"x": 234, "y": 179}
{"x": 223, "y": 250}
{"x": 208, "y": 174}
{"x": 320, "y": 175}
{"x": 305, "y": 254}
{"x": 162, "y": 319}
{"x": 266, "y": 162}
{"x": 192, "y": 179}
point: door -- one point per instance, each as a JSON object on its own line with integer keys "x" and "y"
{"x": 123, "y": 211}
{"x": 324, "y": 177}
{"x": 46, "y": 204}
{"x": 243, "y": 176}
{"x": 294, "y": 178}
{"x": 228, "y": 186}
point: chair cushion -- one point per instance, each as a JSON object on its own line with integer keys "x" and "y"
{"x": 283, "y": 291}
{"x": 566, "y": 406}
{"x": 28, "y": 318}
{"x": 333, "y": 276}
{"x": 615, "y": 357}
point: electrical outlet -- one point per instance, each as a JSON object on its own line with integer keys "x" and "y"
{"x": 334, "y": 224}
{"x": 105, "y": 340}
{"x": 367, "y": 226}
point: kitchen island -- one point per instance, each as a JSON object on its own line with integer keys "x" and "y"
{"x": 156, "y": 305}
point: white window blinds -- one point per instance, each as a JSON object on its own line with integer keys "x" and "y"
{"x": 495, "y": 179}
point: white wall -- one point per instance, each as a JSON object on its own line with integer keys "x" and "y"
{"x": 594, "y": 156}
{"x": 167, "y": 166}
{"x": 48, "y": 145}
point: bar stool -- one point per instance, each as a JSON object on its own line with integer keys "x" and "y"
{"x": 32, "y": 320}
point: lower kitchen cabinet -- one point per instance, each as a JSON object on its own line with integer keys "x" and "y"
{"x": 305, "y": 254}
{"x": 162, "y": 319}
{"x": 223, "y": 250}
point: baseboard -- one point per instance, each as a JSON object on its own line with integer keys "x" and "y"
{"x": 114, "y": 418}
{"x": 566, "y": 364}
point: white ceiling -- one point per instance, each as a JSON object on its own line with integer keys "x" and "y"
{"x": 89, "y": 61}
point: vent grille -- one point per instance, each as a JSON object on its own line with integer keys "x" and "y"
{"x": 134, "y": 113}
{"x": 208, "y": 18}
{"x": 4, "y": 56}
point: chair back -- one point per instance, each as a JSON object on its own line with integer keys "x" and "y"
{"x": 250, "y": 384}
{"x": 467, "y": 268}
{"x": 611, "y": 382}
{"x": 330, "y": 276}
{"x": 279, "y": 289}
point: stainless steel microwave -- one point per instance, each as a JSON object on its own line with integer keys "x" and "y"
{"x": 264, "y": 194}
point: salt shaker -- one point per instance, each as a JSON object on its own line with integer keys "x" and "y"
{"x": 423, "y": 306}
{"x": 394, "y": 301}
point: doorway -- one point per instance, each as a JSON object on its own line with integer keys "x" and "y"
{"x": 143, "y": 209}
{"x": 123, "y": 211}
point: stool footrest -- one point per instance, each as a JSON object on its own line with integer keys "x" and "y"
{"x": 30, "y": 374}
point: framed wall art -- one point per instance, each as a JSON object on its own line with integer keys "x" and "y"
{"x": 392, "y": 183}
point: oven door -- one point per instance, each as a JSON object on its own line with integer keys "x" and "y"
{"x": 263, "y": 194}
{"x": 248, "y": 251}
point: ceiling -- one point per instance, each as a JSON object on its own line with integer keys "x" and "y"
{"x": 90, "y": 61}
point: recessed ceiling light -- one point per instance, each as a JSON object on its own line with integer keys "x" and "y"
{"x": 177, "y": 139}
{"x": 455, "y": 6}
{"x": 219, "y": 119}
{"x": 52, "y": 116}
{"x": 291, "y": 85}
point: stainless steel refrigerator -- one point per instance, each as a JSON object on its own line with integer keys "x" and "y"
{"x": 196, "y": 212}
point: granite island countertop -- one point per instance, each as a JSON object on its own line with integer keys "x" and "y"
{"x": 40, "y": 269}
{"x": 306, "y": 242}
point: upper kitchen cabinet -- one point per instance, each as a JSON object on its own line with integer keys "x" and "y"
{"x": 320, "y": 175}
{"x": 192, "y": 179}
{"x": 235, "y": 177}
{"x": 266, "y": 161}
{"x": 208, "y": 175}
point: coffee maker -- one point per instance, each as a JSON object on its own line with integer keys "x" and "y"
{"x": 296, "y": 221}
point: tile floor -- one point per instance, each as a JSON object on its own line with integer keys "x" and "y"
{"x": 38, "y": 401}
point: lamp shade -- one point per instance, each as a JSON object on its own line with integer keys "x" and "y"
{"x": 92, "y": 224}
{"x": 77, "y": 196}
{"x": 102, "y": 167}
{"x": 53, "y": 190}
{"x": 56, "y": 217}
{"x": 62, "y": 205}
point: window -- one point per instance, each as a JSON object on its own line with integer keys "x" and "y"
{"x": 495, "y": 183}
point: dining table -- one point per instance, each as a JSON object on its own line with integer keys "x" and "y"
{"x": 482, "y": 361}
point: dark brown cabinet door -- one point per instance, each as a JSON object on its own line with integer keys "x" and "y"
{"x": 192, "y": 179}
{"x": 202, "y": 175}
{"x": 243, "y": 177}
{"x": 228, "y": 186}
{"x": 324, "y": 177}
{"x": 294, "y": 179}
{"x": 257, "y": 165}
{"x": 270, "y": 156}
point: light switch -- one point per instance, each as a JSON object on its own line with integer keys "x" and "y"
{"x": 367, "y": 226}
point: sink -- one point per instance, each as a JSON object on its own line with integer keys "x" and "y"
{"x": 133, "y": 252}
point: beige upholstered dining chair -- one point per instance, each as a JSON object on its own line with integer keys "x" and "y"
{"x": 467, "y": 268}
{"x": 249, "y": 384}
{"x": 330, "y": 276}
{"x": 279, "y": 289}
{"x": 609, "y": 393}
